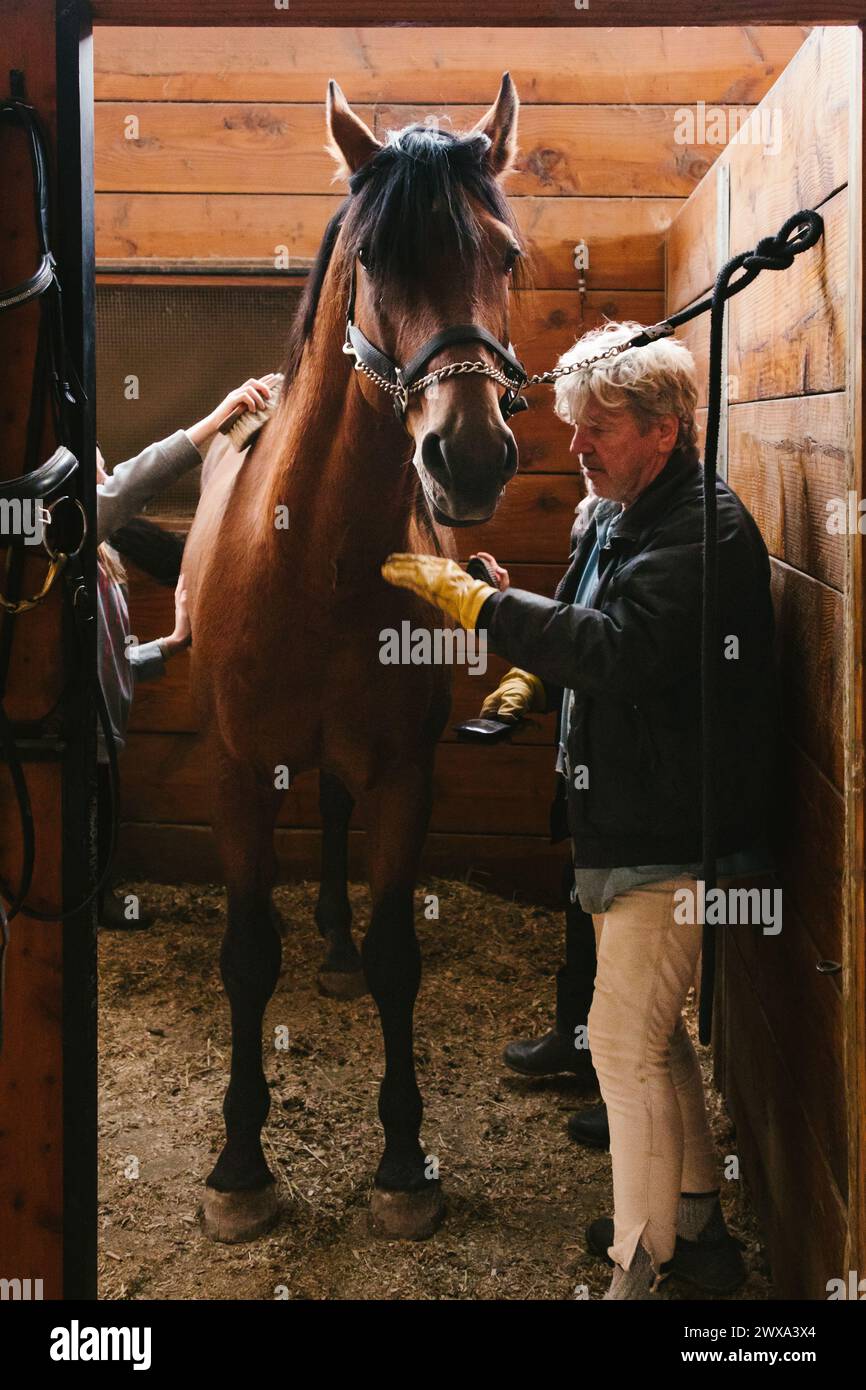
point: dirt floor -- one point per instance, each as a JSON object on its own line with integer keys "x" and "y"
{"x": 519, "y": 1192}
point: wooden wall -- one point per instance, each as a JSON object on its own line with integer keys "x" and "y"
{"x": 228, "y": 163}
{"x": 791, "y": 420}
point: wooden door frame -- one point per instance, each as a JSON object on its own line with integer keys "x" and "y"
{"x": 76, "y": 269}
{"x": 528, "y": 14}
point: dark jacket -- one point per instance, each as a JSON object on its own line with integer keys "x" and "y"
{"x": 633, "y": 660}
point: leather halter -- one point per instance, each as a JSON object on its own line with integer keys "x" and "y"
{"x": 398, "y": 381}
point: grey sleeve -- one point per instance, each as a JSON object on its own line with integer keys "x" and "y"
{"x": 147, "y": 660}
{"x": 133, "y": 483}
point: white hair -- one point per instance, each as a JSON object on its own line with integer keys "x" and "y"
{"x": 650, "y": 381}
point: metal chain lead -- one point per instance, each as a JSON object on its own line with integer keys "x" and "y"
{"x": 484, "y": 369}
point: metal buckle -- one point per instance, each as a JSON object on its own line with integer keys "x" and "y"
{"x": 57, "y": 554}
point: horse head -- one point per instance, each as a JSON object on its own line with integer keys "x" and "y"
{"x": 428, "y": 244}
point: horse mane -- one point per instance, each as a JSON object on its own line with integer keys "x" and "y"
{"x": 413, "y": 199}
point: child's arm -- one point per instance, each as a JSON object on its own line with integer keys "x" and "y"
{"x": 148, "y": 658}
{"x": 133, "y": 483}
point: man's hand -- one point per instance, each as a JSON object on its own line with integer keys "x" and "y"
{"x": 518, "y": 693}
{"x": 441, "y": 582}
{"x": 500, "y": 574}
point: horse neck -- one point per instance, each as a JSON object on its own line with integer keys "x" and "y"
{"x": 341, "y": 466}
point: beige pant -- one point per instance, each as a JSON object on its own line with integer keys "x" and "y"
{"x": 647, "y": 1069}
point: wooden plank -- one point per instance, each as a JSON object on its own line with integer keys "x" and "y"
{"x": 805, "y": 160}
{"x": 692, "y": 252}
{"x": 811, "y": 649}
{"x": 782, "y": 968}
{"x": 166, "y": 780}
{"x": 731, "y": 64}
{"x": 787, "y": 459}
{"x": 781, "y": 1159}
{"x": 191, "y": 147}
{"x": 248, "y": 147}
{"x": 696, "y": 336}
{"x": 546, "y": 323}
{"x": 788, "y": 331}
{"x": 626, "y": 236}
{"x": 589, "y": 151}
{"x": 810, "y": 829}
{"x": 522, "y": 866}
{"x": 604, "y": 13}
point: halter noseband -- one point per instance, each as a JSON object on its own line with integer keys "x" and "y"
{"x": 400, "y": 382}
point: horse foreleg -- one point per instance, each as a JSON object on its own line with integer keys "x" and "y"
{"x": 340, "y": 974}
{"x": 407, "y": 1200}
{"x": 239, "y": 1200}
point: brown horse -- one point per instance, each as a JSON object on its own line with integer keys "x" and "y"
{"x": 287, "y": 623}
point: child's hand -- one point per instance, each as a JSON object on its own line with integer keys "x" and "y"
{"x": 253, "y": 395}
{"x": 182, "y": 635}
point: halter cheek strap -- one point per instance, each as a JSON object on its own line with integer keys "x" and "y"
{"x": 400, "y": 381}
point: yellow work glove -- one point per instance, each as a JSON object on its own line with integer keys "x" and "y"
{"x": 516, "y": 694}
{"x": 441, "y": 582}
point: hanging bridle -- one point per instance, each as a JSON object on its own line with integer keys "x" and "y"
{"x": 401, "y": 382}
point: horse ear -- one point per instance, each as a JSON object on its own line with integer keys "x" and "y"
{"x": 350, "y": 142}
{"x": 500, "y": 125}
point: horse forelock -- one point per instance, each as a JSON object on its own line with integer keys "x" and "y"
{"x": 418, "y": 196}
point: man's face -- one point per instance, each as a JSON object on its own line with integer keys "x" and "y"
{"x": 615, "y": 458}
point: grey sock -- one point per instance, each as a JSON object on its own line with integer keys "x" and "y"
{"x": 634, "y": 1283}
{"x": 696, "y": 1214}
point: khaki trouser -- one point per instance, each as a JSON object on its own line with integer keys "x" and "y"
{"x": 647, "y": 1068}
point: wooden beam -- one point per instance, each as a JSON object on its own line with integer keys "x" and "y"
{"x": 735, "y": 64}
{"x": 516, "y": 13}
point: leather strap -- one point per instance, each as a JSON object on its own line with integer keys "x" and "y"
{"x": 42, "y": 482}
{"x": 384, "y": 366}
{"x": 19, "y": 113}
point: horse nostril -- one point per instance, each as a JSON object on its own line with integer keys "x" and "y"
{"x": 433, "y": 456}
{"x": 511, "y": 458}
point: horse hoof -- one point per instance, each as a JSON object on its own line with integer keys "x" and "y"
{"x": 342, "y": 984}
{"x": 407, "y": 1215}
{"x": 233, "y": 1217}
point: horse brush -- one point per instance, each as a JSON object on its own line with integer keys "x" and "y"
{"x": 243, "y": 424}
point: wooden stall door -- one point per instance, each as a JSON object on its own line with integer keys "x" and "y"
{"x": 789, "y": 1037}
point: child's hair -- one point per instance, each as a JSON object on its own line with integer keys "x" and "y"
{"x": 111, "y": 562}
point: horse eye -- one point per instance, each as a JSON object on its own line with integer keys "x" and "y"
{"x": 364, "y": 257}
{"x": 512, "y": 256}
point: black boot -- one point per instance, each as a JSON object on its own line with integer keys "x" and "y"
{"x": 589, "y": 1127}
{"x": 712, "y": 1263}
{"x": 548, "y": 1056}
{"x": 565, "y": 1048}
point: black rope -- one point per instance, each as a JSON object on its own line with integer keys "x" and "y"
{"x": 771, "y": 253}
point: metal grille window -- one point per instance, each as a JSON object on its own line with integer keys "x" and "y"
{"x": 167, "y": 353}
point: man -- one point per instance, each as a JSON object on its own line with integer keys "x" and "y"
{"x": 626, "y": 663}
